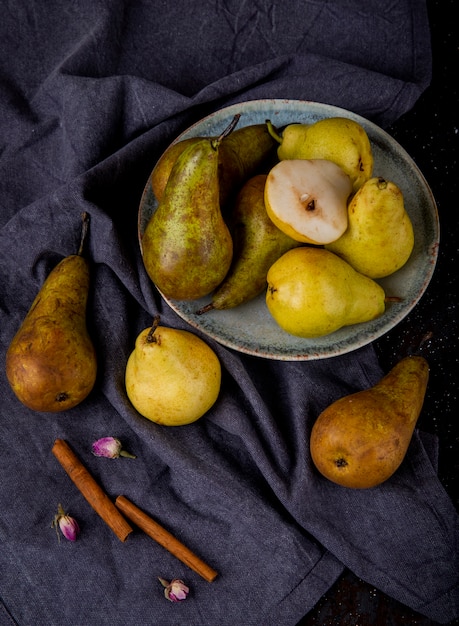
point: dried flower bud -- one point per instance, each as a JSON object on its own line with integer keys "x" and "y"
{"x": 176, "y": 590}
{"x": 68, "y": 525}
{"x": 110, "y": 447}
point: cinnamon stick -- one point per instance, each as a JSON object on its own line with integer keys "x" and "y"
{"x": 165, "y": 538}
{"x": 90, "y": 489}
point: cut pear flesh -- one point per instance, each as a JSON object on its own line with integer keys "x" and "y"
{"x": 307, "y": 199}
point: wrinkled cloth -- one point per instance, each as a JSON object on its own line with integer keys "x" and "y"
{"x": 91, "y": 94}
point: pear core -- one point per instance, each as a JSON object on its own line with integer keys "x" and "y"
{"x": 307, "y": 199}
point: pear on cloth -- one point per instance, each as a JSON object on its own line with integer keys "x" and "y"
{"x": 172, "y": 376}
{"x": 51, "y": 362}
{"x": 360, "y": 440}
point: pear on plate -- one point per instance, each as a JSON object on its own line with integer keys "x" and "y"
{"x": 172, "y": 376}
{"x": 313, "y": 292}
{"x": 241, "y": 155}
{"x": 339, "y": 139}
{"x": 379, "y": 238}
{"x": 187, "y": 247}
{"x": 360, "y": 440}
{"x": 162, "y": 170}
{"x": 307, "y": 199}
{"x": 257, "y": 244}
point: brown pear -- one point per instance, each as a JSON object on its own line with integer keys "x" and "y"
{"x": 51, "y": 362}
{"x": 360, "y": 440}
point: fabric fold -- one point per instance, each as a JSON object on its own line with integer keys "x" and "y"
{"x": 92, "y": 95}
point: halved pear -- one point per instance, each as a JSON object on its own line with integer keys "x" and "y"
{"x": 307, "y": 199}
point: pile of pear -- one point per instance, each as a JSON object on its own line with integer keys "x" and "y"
{"x": 297, "y": 214}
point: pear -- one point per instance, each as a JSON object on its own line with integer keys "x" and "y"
{"x": 172, "y": 376}
{"x": 379, "y": 238}
{"x": 51, "y": 361}
{"x": 360, "y": 440}
{"x": 313, "y": 292}
{"x": 245, "y": 152}
{"x": 242, "y": 153}
{"x": 307, "y": 199}
{"x": 187, "y": 247}
{"x": 338, "y": 139}
{"x": 165, "y": 163}
{"x": 257, "y": 244}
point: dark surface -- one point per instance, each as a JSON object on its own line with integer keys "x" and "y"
{"x": 91, "y": 95}
{"x": 430, "y": 134}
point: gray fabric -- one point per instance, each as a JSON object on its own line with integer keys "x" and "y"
{"x": 92, "y": 92}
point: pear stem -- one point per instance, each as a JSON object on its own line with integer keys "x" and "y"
{"x": 151, "y": 335}
{"x": 127, "y": 455}
{"x": 205, "y": 308}
{"x": 273, "y": 132}
{"x": 393, "y": 299}
{"x": 84, "y": 232}
{"x": 228, "y": 130}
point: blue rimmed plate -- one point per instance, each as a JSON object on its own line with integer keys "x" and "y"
{"x": 249, "y": 328}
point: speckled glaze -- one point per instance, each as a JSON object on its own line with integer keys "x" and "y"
{"x": 250, "y": 328}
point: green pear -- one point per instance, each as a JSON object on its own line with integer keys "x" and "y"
{"x": 51, "y": 361}
{"x": 257, "y": 244}
{"x": 338, "y": 139}
{"x": 245, "y": 152}
{"x": 165, "y": 163}
{"x": 172, "y": 376}
{"x": 379, "y": 238}
{"x": 313, "y": 292}
{"x": 242, "y": 153}
{"x": 360, "y": 440}
{"x": 187, "y": 247}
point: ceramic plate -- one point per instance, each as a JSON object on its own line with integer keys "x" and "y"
{"x": 249, "y": 328}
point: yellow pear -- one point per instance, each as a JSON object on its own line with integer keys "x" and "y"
{"x": 360, "y": 440}
{"x": 172, "y": 376}
{"x": 313, "y": 292}
{"x": 379, "y": 238}
{"x": 307, "y": 199}
{"x": 338, "y": 139}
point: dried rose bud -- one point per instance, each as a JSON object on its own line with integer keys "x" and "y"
{"x": 176, "y": 590}
{"x": 68, "y": 525}
{"x": 110, "y": 447}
